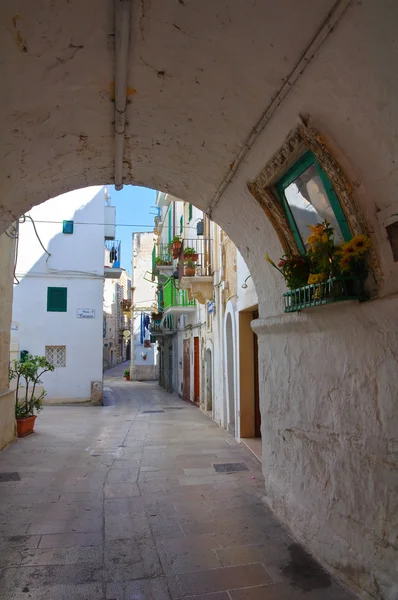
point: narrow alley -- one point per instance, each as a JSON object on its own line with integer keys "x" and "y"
{"x": 144, "y": 498}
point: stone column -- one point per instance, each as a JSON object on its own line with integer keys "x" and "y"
{"x": 7, "y": 411}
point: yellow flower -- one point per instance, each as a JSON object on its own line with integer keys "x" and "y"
{"x": 317, "y": 229}
{"x": 361, "y": 243}
{"x": 345, "y": 263}
{"x": 348, "y": 248}
{"x": 317, "y": 278}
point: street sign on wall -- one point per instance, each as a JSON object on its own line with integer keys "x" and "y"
{"x": 85, "y": 313}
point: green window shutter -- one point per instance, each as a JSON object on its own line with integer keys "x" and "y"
{"x": 170, "y": 223}
{"x": 57, "y": 299}
{"x": 181, "y": 224}
{"x": 190, "y": 212}
{"x": 67, "y": 227}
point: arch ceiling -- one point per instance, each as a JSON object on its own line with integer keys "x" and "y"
{"x": 199, "y": 77}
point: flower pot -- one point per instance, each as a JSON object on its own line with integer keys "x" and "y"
{"x": 26, "y": 426}
{"x": 193, "y": 257}
{"x": 189, "y": 271}
{"x": 127, "y": 377}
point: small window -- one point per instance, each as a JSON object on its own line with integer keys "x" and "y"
{"x": 67, "y": 227}
{"x": 57, "y": 299}
{"x": 56, "y": 355}
{"x": 308, "y": 198}
{"x": 190, "y": 213}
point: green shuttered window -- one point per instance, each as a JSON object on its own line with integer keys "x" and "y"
{"x": 57, "y": 299}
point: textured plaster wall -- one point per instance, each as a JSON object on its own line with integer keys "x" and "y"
{"x": 7, "y": 412}
{"x": 328, "y": 378}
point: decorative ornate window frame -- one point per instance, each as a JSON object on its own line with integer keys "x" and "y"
{"x": 301, "y": 139}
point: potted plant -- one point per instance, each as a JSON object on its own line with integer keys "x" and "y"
{"x": 327, "y": 271}
{"x": 190, "y": 253}
{"x": 126, "y": 374}
{"x": 27, "y": 404}
{"x": 189, "y": 268}
{"x": 175, "y": 246}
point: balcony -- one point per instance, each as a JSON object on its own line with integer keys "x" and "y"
{"x": 163, "y": 326}
{"x": 162, "y": 262}
{"x": 125, "y": 306}
{"x": 112, "y": 269}
{"x": 176, "y": 300}
{"x": 195, "y": 271}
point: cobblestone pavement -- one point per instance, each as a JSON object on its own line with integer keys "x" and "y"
{"x": 126, "y": 502}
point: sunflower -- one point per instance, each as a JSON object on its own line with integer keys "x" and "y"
{"x": 348, "y": 249}
{"x": 345, "y": 263}
{"x": 317, "y": 278}
{"x": 317, "y": 229}
{"x": 361, "y": 243}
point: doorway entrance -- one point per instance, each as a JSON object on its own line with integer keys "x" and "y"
{"x": 186, "y": 388}
{"x": 250, "y": 414}
{"x": 209, "y": 381}
{"x": 196, "y": 370}
{"x": 230, "y": 375}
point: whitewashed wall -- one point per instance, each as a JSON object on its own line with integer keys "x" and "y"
{"x": 76, "y": 262}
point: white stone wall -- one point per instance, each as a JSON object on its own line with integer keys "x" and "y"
{"x": 144, "y": 300}
{"x": 76, "y": 262}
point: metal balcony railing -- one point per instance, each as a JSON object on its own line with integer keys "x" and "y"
{"x": 335, "y": 289}
{"x": 195, "y": 257}
{"x": 173, "y": 297}
{"x": 161, "y": 256}
{"x": 113, "y": 253}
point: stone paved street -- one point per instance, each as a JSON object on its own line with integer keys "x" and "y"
{"x": 122, "y": 502}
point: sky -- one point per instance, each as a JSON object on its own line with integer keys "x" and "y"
{"x": 133, "y": 207}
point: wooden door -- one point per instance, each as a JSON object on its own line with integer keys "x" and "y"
{"x": 257, "y": 413}
{"x": 196, "y": 371}
{"x": 186, "y": 391}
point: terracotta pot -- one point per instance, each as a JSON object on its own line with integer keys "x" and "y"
{"x": 127, "y": 377}
{"x": 189, "y": 271}
{"x": 26, "y": 426}
{"x": 193, "y": 257}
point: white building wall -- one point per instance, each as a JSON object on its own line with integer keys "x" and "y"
{"x": 75, "y": 262}
{"x": 144, "y": 301}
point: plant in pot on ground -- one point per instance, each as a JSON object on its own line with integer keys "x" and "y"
{"x": 27, "y": 374}
{"x": 126, "y": 374}
{"x": 190, "y": 253}
{"x": 189, "y": 268}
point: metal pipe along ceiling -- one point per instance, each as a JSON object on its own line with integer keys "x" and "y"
{"x": 122, "y": 45}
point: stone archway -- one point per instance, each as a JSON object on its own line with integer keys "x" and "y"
{"x": 202, "y": 126}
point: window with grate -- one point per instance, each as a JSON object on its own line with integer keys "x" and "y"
{"x": 57, "y": 299}
{"x": 56, "y": 355}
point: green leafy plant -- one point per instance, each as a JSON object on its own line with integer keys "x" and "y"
{"x": 188, "y": 251}
{"x": 324, "y": 259}
{"x": 295, "y": 269}
{"x": 126, "y": 373}
{"x": 191, "y": 264}
{"x": 28, "y": 372}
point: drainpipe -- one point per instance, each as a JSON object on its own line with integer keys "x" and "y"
{"x": 122, "y": 44}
